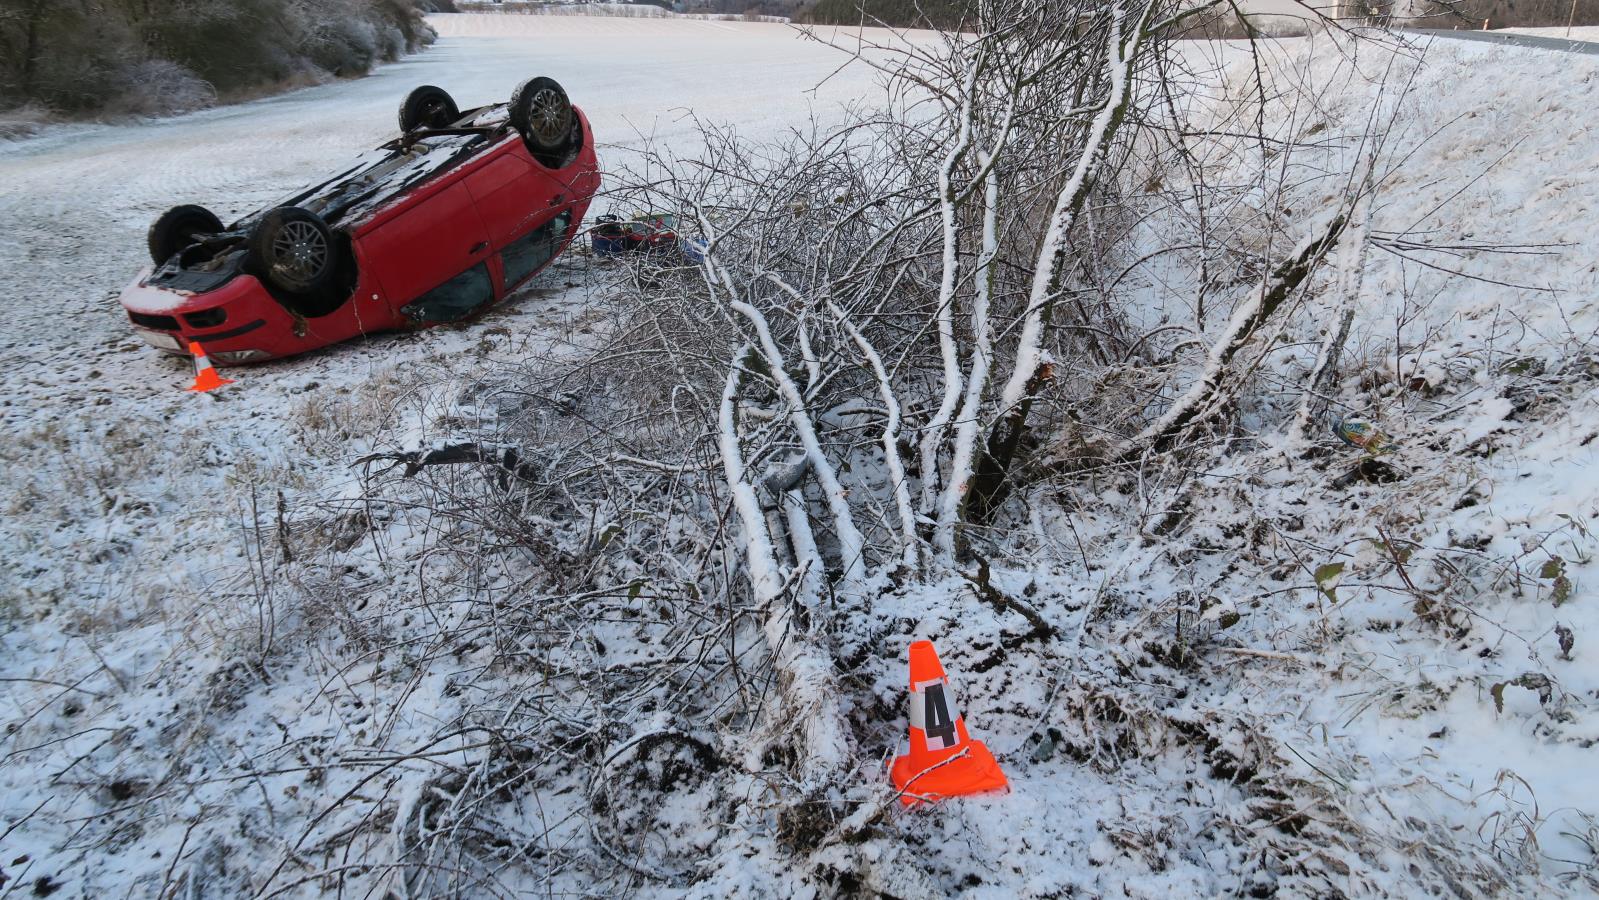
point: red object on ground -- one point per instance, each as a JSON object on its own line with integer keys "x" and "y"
{"x": 205, "y": 374}
{"x": 436, "y": 227}
{"x": 944, "y": 760}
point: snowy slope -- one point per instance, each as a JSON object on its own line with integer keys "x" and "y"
{"x": 196, "y": 670}
{"x": 1459, "y": 580}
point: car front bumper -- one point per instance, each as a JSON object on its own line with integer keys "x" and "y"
{"x": 236, "y": 323}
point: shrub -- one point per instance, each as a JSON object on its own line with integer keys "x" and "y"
{"x": 158, "y": 87}
{"x": 345, "y": 46}
{"x": 23, "y": 121}
{"x": 65, "y": 58}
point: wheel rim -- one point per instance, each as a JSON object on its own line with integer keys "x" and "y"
{"x": 300, "y": 251}
{"x": 434, "y": 114}
{"x": 547, "y": 117}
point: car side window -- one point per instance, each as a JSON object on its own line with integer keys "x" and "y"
{"x": 527, "y": 254}
{"x": 454, "y": 299}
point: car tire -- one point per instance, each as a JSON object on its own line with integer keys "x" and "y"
{"x": 177, "y": 228}
{"x": 293, "y": 250}
{"x": 428, "y": 107}
{"x": 543, "y": 115}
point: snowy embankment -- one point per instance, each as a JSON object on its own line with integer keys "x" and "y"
{"x": 1437, "y": 685}
{"x": 227, "y": 672}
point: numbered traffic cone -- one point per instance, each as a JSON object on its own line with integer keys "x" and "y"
{"x": 943, "y": 760}
{"x": 205, "y": 375}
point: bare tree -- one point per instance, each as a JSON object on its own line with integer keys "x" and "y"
{"x": 891, "y": 320}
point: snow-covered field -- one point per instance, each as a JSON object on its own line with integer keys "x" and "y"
{"x": 187, "y": 703}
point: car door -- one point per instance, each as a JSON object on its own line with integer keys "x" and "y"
{"x": 504, "y": 191}
{"x": 432, "y": 258}
{"x": 527, "y": 213}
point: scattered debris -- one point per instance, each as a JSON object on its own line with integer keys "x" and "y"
{"x": 506, "y": 458}
{"x": 1369, "y": 470}
{"x": 1358, "y": 431}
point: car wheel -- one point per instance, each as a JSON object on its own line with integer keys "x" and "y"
{"x": 428, "y": 107}
{"x": 542, "y": 114}
{"x": 179, "y": 227}
{"x": 293, "y": 250}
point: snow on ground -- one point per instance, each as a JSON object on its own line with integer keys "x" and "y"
{"x": 180, "y": 710}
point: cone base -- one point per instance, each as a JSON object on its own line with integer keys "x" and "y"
{"x": 203, "y": 384}
{"x": 975, "y": 773}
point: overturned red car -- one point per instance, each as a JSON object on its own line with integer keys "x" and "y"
{"x": 434, "y": 226}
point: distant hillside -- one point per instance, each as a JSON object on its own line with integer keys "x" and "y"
{"x": 88, "y": 56}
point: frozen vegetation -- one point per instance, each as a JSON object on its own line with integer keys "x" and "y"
{"x": 1052, "y": 384}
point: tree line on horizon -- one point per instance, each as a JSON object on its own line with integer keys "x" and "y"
{"x": 898, "y": 13}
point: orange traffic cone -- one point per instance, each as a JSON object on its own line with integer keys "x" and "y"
{"x": 205, "y": 376}
{"x": 943, "y": 760}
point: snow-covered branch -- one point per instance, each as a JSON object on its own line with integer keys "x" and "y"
{"x": 1121, "y": 56}
{"x": 933, "y": 432}
{"x": 967, "y": 428}
{"x": 1196, "y": 403}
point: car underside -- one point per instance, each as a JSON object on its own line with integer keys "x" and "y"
{"x": 377, "y": 177}
{"x": 315, "y": 252}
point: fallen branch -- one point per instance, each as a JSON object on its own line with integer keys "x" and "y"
{"x": 1263, "y": 654}
{"x": 1201, "y": 400}
{"x": 1002, "y": 601}
{"x": 506, "y": 458}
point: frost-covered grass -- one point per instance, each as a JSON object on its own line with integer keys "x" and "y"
{"x": 1262, "y": 678}
{"x": 23, "y": 122}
